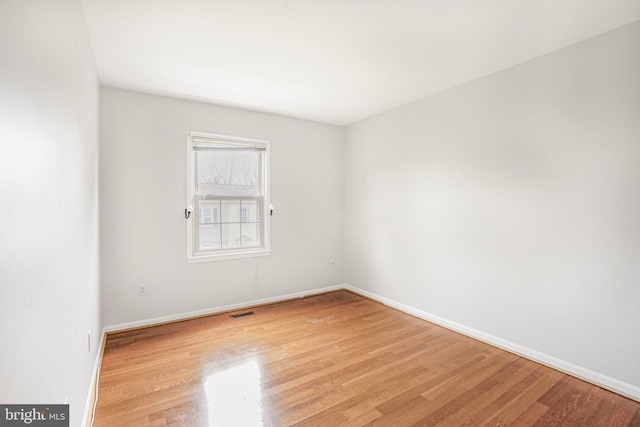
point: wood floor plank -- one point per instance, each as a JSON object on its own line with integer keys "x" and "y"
{"x": 500, "y": 397}
{"x": 401, "y": 399}
{"x": 519, "y": 405}
{"x": 531, "y": 415}
{"x": 473, "y": 399}
{"x": 335, "y": 359}
{"x": 579, "y": 401}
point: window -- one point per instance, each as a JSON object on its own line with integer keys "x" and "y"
{"x": 227, "y": 197}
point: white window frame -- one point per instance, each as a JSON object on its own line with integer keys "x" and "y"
{"x": 202, "y": 139}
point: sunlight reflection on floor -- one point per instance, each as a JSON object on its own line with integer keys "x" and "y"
{"x": 233, "y": 396}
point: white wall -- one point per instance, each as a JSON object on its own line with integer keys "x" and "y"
{"x": 143, "y": 230}
{"x": 512, "y": 205}
{"x": 49, "y": 276}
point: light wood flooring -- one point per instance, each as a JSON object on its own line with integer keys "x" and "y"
{"x": 335, "y": 359}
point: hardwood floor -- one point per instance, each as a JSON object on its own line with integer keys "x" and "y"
{"x": 335, "y": 360}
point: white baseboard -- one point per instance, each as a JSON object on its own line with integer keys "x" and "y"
{"x": 215, "y": 310}
{"x": 89, "y": 405}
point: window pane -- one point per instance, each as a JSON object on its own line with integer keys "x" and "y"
{"x": 209, "y": 211}
{"x": 208, "y": 237}
{"x": 228, "y": 172}
{"x": 250, "y": 210}
{"x": 251, "y": 235}
{"x": 231, "y": 211}
{"x": 231, "y": 236}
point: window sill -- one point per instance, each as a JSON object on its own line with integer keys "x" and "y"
{"x": 191, "y": 259}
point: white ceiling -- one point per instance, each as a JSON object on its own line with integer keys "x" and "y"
{"x": 333, "y": 61}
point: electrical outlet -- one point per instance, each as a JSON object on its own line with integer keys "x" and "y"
{"x": 333, "y": 266}
{"x": 142, "y": 290}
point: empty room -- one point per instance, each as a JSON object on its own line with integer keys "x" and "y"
{"x": 319, "y": 213}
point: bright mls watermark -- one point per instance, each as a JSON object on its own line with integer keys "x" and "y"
{"x": 34, "y": 415}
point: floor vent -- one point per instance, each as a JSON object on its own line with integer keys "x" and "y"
{"x": 237, "y": 315}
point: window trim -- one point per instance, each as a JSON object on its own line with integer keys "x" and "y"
{"x": 203, "y": 139}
